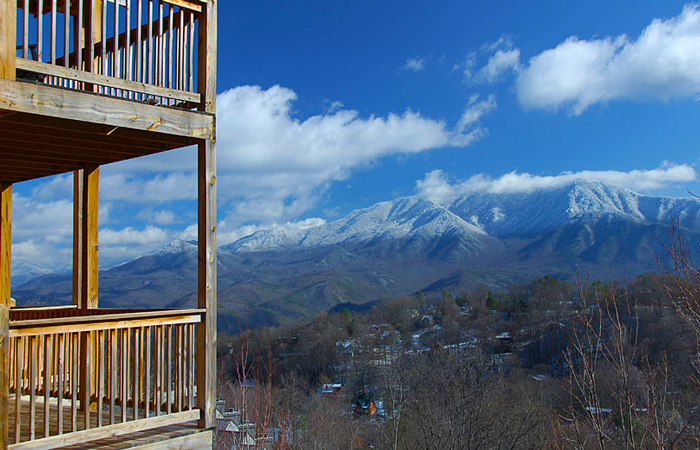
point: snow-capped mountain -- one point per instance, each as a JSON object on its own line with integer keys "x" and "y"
{"x": 398, "y": 221}
{"x": 398, "y": 247}
{"x": 476, "y": 216}
{"x": 526, "y": 214}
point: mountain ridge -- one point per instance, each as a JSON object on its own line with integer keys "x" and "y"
{"x": 398, "y": 247}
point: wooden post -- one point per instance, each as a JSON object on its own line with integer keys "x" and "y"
{"x": 8, "y": 38}
{"x": 5, "y": 242}
{"x": 90, "y": 184}
{"x": 89, "y": 275}
{"x": 206, "y": 273}
{"x": 77, "y": 237}
{"x": 206, "y": 284}
{"x": 4, "y": 375}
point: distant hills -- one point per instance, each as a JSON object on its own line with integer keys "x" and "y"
{"x": 399, "y": 247}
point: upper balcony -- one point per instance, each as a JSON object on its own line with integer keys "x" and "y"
{"x": 103, "y": 80}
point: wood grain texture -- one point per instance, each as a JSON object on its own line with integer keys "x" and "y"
{"x": 107, "y": 431}
{"x": 102, "y": 80}
{"x": 8, "y": 19}
{"x": 77, "y": 237}
{"x": 90, "y": 207}
{"x": 207, "y": 287}
{"x": 86, "y": 107}
{"x": 4, "y": 375}
{"x": 5, "y": 242}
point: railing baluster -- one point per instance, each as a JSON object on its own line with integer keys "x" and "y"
{"x": 127, "y": 47}
{"x": 40, "y": 29}
{"x": 25, "y": 30}
{"x": 135, "y": 350}
{"x": 101, "y": 374}
{"x": 150, "y": 78}
{"x": 32, "y": 386}
{"x": 61, "y": 381}
{"x": 139, "y": 43}
{"x": 191, "y": 362}
{"x": 116, "y": 67}
{"x": 54, "y": 10}
{"x": 48, "y": 353}
{"x": 74, "y": 376}
{"x": 66, "y": 34}
{"x": 91, "y": 32}
{"x": 171, "y": 52}
{"x": 124, "y": 360}
{"x": 112, "y": 375}
{"x": 161, "y": 46}
{"x": 182, "y": 53}
{"x": 147, "y": 372}
{"x": 169, "y": 369}
{"x": 19, "y": 352}
{"x": 78, "y": 37}
{"x": 190, "y": 69}
{"x": 103, "y": 47}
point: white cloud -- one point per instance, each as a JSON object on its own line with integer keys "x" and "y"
{"x": 436, "y": 187}
{"x": 469, "y": 128}
{"x": 501, "y": 62}
{"x": 272, "y": 168}
{"x": 663, "y": 63}
{"x": 414, "y": 64}
{"x": 503, "y": 57}
{"x": 119, "y": 245}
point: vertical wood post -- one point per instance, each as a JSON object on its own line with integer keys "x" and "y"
{"x": 206, "y": 284}
{"x": 8, "y": 38}
{"x": 77, "y": 237}
{"x": 206, "y": 273}
{"x": 5, "y": 242}
{"x": 90, "y": 206}
{"x": 4, "y": 375}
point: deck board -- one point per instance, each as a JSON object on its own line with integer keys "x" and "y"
{"x": 181, "y": 436}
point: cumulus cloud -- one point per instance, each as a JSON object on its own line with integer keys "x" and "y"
{"x": 272, "y": 167}
{"x": 663, "y": 63}
{"x": 436, "y": 186}
{"x": 501, "y": 57}
{"x": 414, "y": 64}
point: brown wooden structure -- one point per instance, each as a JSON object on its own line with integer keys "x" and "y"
{"x": 85, "y": 83}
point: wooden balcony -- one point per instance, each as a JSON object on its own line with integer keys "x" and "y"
{"x": 108, "y": 376}
{"x": 100, "y": 81}
{"x": 85, "y": 83}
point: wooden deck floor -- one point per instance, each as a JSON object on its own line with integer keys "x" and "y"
{"x": 181, "y": 436}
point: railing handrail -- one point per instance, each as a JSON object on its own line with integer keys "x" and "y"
{"x": 128, "y": 319}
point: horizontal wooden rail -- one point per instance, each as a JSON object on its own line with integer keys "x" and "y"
{"x": 108, "y": 431}
{"x": 100, "y": 373}
{"x": 101, "y": 80}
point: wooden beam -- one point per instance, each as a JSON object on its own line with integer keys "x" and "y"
{"x": 4, "y": 375}
{"x": 92, "y": 108}
{"x": 77, "y": 237}
{"x": 206, "y": 284}
{"x": 8, "y": 39}
{"x": 90, "y": 206}
{"x": 91, "y": 132}
{"x": 102, "y": 80}
{"x": 5, "y": 242}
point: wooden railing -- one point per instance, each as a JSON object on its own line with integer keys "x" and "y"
{"x": 90, "y": 376}
{"x": 143, "y": 50}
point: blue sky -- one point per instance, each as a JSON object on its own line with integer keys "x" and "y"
{"x": 325, "y": 107}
